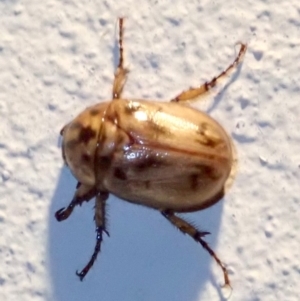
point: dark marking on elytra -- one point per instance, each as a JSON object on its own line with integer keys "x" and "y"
{"x": 212, "y": 172}
{"x": 104, "y": 162}
{"x": 121, "y": 138}
{"x": 131, "y": 107}
{"x": 86, "y": 158}
{"x": 207, "y": 171}
{"x": 149, "y": 161}
{"x": 147, "y": 184}
{"x": 120, "y": 174}
{"x": 86, "y": 134}
{"x": 202, "y": 128}
{"x": 205, "y": 139}
{"x": 194, "y": 181}
{"x": 158, "y": 129}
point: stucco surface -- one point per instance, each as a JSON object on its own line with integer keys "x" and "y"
{"x": 58, "y": 57}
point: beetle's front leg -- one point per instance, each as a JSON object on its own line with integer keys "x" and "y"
{"x": 193, "y": 93}
{"x": 100, "y": 222}
{"x": 121, "y": 72}
{"x": 83, "y": 194}
{"x": 197, "y": 235}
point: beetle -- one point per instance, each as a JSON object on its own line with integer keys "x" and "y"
{"x": 166, "y": 156}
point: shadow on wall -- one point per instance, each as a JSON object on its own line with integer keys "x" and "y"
{"x": 145, "y": 258}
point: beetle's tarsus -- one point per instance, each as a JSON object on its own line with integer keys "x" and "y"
{"x": 97, "y": 250}
{"x": 100, "y": 229}
{"x": 205, "y": 245}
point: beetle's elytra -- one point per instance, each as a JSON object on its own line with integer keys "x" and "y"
{"x": 166, "y": 156}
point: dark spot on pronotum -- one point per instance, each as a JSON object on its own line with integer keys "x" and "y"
{"x": 86, "y": 134}
{"x": 120, "y": 174}
{"x": 71, "y": 143}
{"x": 94, "y": 112}
{"x": 75, "y": 126}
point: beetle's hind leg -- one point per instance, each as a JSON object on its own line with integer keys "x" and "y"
{"x": 193, "y": 93}
{"x": 100, "y": 222}
{"x": 121, "y": 72}
{"x": 197, "y": 235}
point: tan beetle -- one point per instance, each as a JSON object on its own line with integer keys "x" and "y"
{"x": 166, "y": 156}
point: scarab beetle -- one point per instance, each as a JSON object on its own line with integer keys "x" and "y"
{"x": 166, "y": 156}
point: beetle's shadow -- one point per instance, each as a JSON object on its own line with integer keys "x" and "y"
{"x": 144, "y": 258}
{"x": 219, "y": 96}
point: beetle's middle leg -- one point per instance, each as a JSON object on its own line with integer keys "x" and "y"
{"x": 121, "y": 72}
{"x": 187, "y": 228}
{"x": 100, "y": 222}
{"x": 193, "y": 93}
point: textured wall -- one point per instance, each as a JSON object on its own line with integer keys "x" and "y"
{"x": 57, "y": 57}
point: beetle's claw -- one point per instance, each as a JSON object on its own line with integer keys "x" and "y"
{"x": 62, "y": 214}
{"x": 59, "y": 215}
{"x": 106, "y": 232}
{"x": 201, "y": 234}
{"x": 101, "y": 230}
{"x": 81, "y": 275}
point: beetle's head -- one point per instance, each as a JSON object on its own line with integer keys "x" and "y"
{"x": 80, "y": 141}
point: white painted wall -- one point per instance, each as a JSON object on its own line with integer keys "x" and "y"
{"x": 57, "y": 57}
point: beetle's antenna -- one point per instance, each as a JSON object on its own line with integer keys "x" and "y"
{"x": 121, "y": 50}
